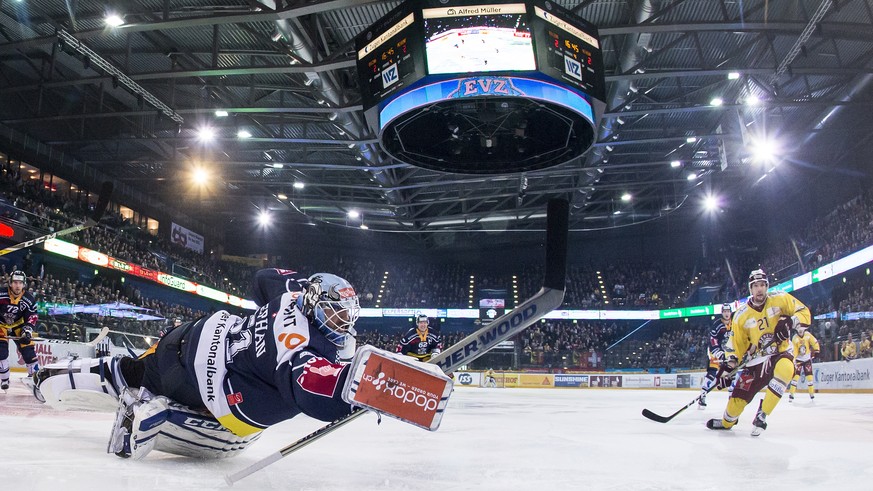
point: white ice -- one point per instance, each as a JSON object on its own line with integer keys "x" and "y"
{"x": 490, "y": 439}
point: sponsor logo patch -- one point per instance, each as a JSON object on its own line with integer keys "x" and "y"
{"x": 320, "y": 377}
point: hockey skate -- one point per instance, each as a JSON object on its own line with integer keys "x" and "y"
{"x": 790, "y": 397}
{"x": 716, "y": 424}
{"x": 4, "y": 385}
{"x": 760, "y": 421}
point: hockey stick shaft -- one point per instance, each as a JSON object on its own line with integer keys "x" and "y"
{"x": 102, "y": 334}
{"x": 102, "y": 203}
{"x": 478, "y": 343}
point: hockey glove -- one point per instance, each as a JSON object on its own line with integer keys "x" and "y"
{"x": 26, "y": 333}
{"x": 782, "y": 331}
{"x": 717, "y": 352}
{"x": 724, "y": 377}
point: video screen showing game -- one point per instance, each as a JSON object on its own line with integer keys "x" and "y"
{"x": 483, "y": 38}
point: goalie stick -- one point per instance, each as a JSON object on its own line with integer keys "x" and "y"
{"x": 102, "y": 203}
{"x": 664, "y": 419}
{"x": 480, "y": 342}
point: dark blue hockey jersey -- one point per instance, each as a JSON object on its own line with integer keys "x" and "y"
{"x": 255, "y": 371}
{"x": 420, "y": 345}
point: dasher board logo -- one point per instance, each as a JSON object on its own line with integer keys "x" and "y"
{"x": 390, "y": 76}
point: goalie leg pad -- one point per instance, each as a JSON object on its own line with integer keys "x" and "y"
{"x": 398, "y": 386}
{"x": 145, "y": 423}
{"x": 84, "y": 384}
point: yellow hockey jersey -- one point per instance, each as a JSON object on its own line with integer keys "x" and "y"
{"x": 804, "y": 346}
{"x": 752, "y": 328}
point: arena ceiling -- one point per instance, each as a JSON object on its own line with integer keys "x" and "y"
{"x": 693, "y": 87}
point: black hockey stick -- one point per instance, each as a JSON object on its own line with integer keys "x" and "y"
{"x": 102, "y": 203}
{"x": 664, "y": 419}
{"x": 477, "y": 344}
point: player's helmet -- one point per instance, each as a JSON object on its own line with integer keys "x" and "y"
{"x": 725, "y": 306}
{"x": 758, "y": 275}
{"x": 421, "y": 318}
{"x": 336, "y": 308}
{"x": 18, "y": 275}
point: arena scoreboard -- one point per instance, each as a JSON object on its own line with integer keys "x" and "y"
{"x": 482, "y": 87}
{"x": 390, "y": 54}
{"x": 426, "y": 39}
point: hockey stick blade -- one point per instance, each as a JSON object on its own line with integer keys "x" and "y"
{"x": 477, "y": 344}
{"x": 100, "y": 336}
{"x": 102, "y": 203}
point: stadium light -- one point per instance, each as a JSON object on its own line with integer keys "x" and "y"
{"x": 752, "y": 100}
{"x": 733, "y": 75}
{"x": 716, "y": 101}
{"x": 113, "y": 20}
{"x": 200, "y": 176}
{"x": 282, "y": 196}
{"x": 354, "y": 214}
{"x": 205, "y": 134}
{"x": 626, "y": 197}
{"x": 299, "y": 185}
{"x": 243, "y": 134}
{"x": 710, "y": 203}
{"x": 764, "y": 150}
{"x": 692, "y": 176}
{"x": 264, "y": 218}
{"x": 221, "y": 113}
{"x": 675, "y": 164}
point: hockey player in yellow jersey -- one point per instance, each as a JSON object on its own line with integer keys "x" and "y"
{"x": 805, "y": 349}
{"x": 760, "y": 333}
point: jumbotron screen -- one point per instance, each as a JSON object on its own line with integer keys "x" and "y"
{"x": 478, "y": 38}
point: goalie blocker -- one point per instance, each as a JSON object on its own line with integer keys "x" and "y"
{"x": 398, "y": 386}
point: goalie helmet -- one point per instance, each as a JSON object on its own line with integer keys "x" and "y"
{"x": 758, "y": 275}
{"x": 333, "y": 305}
{"x": 18, "y": 275}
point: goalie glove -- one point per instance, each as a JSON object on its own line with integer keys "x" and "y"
{"x": 724, "y": 377}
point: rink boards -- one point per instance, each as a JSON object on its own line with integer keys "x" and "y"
{"x": 835, "y": 376}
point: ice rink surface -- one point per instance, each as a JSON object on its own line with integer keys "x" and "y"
{"x": 490, "y": 439}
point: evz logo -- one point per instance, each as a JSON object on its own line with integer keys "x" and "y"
{"x": 389, "y": 76}
{"x": 573, "y": 68}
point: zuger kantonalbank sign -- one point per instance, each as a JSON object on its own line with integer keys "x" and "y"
{"x": 843, "y": 375}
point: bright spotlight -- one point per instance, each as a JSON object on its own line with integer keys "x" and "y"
{"x": 710, "y": 203}
{"x": 206, "y": 134}
{"x": 733, "y": 75}
{"x": 243, "y": 134}
{"x": 221, "y": 113}
{"x": 752, "y": 100}
{"x": 364, "y": 227}
{"x": 200, "y": 176}
{"x": 299, "y": 185}
{"x": 113, "y": 20}
{"x": 675, "y": 164}
{"x": 691, "y": 176}
{"x": 281, "y": 196}
{"x": 264, "y": 218}
{"x": 626, "y": 197}
{"x": 691, "y": 139}
{"x": 354, "y": 214}
{"x": 764, "y": 150}
{"x": 716, "y": 101}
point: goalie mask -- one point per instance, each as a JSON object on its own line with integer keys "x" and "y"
{"x": 333, "y": 305}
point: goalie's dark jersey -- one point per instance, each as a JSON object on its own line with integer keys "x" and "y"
{"x": 420, "y": 345}
{"x": 255, "y": 371}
